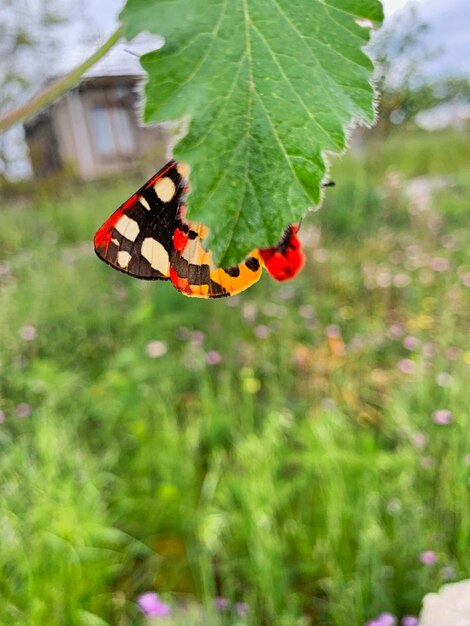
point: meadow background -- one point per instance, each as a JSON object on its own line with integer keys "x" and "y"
{"x": 298, "y": 455}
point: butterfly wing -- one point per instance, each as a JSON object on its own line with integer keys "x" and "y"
{"x": 149, "y": 238}
{"x": 285, "y": 260}
{"x": 138, "y": 237}
{"x": 194, "y": 273}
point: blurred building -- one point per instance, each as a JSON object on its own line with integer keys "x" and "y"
{"x": 95, "y": 130}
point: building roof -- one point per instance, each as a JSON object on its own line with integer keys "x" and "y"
{"x": 123, "y": 58}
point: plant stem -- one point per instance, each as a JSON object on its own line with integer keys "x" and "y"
{"x": 57, "y": 88}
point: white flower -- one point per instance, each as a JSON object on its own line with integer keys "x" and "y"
{"x": 156, "y": 349}
{"x": 449, "y": 607}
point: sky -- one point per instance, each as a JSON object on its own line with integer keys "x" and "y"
{"x": 390, "y": 6}
{"x": 449, "y": 22}
{"x": 449, "y": 31}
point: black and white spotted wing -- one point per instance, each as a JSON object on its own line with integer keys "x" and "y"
{"x": 138, "y": 237}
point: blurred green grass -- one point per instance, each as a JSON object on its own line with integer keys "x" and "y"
{"x": 280, "y": 450}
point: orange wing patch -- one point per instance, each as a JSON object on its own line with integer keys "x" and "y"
{"x": 194, "y": 273}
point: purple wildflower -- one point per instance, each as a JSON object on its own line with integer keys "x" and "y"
{"x": 406, "y": 366}
{"x": 429, "y": 349}
{"x": 333, "y": 331}
{"x": 23, "y": 410}
{"x": 384, "y": 619}
{"x": 439, "y": 264}
{"x": 150, "y": 604}
{"x": 213, "y": 357}
{"x": 466, "y": 279}
{"x": 387, "y": 619}
{"x": 443, "y": 417}
{"x": 449, "y": 242}
{"x": 197, "y": 338}
{"x": 28, "y": 333}
{"x": 395, "y": 331}
{"x": 452, "y": 352}
{"x": 221, "y": 604}
{"x": 402, "y": 279}
{"x": 409, "y": 620}
{"x": 411, "y": 343}
{"x": 428, "y": 557}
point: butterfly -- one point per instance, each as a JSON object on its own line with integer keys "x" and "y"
{"x": 148, "y": 237}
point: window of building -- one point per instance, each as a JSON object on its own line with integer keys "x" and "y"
{"x": 112, "y": 132}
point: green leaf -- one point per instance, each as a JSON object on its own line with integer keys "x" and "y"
{"x": 267, "y": 87}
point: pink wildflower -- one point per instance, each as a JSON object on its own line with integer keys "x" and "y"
{"x": 439, "y": 264}
{"x": 466, "y": 279}
{"x": 428, "y": 557}
{"x": 197, "y": 338}
{"x": 443, "y": 417}
{"x": 406, "y": 366}
{"x": 411, "y": 343}
{"x": 28, "y": 333}
{"x": 221, "y": 604}
{"x": 262, "y": 331}
{"x": 396, "y": 330}
{"x": 156, "y": 349}
{"x": 213, "y": 357}
{"x": 150, "y": 604}
{"x": 23, "y": 410}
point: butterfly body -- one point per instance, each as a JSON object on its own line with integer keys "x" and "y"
{"x": 148, "y": 237}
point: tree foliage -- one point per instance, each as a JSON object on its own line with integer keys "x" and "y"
{"x": 407, "y": 86}
{"x": 31, "y": 46}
